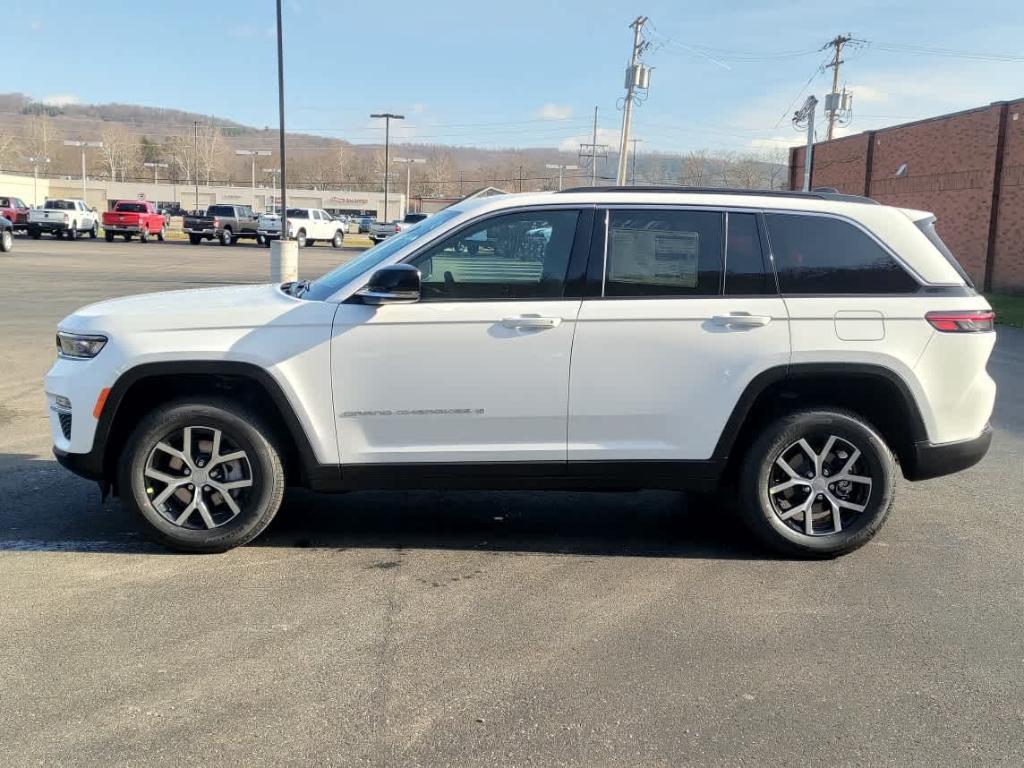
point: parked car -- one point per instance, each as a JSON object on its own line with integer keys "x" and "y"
{"x": 6, "y": 234}
{"x": 797, "y": 349}
{"x": 227, "y": 223}
{"x": 15, "y": 211}
{"x": 305, "y": 225}
{"x": 63, "y": 216}
{"x": 383, "y": 230}
{"x": 364, "y": 223}
{"x": 134, "y": 217}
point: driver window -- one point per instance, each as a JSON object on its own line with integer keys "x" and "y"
{"x": 512, "y": 256}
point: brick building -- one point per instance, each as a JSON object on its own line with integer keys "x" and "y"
{"x": 966, "y": 167}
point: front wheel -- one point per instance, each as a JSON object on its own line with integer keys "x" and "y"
{"x": 337, "y": 240}
{"x": 205, "y": 476}
{"x": 94, "y": 232}
{"x": 817, "y": 483}
{"x": 6, "y": 241}
{"x": 300, "y": 238}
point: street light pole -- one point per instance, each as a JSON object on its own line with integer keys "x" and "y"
{"x": 253, "y": 154}
{"x": 36, "y": 161}
{"x": 388, "y": 117}
{"x": 274, "y": 172}
{"x": 156, "y": 170}
{"x": 82, "y": 145}
{"x": 560, "y": 169}
{"x": 408, "y": 162}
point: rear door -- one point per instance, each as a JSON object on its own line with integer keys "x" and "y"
{"x": 684, "y": 314}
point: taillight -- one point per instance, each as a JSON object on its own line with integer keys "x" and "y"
{"x": 216, "y": 222}
{"x": 65, "y": 218}
{"x": 962, "y": 322}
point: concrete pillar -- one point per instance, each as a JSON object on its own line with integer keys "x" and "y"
{"x": 284, "y": 261}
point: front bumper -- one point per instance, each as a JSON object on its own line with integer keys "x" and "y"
{"x": 937, "y": 459}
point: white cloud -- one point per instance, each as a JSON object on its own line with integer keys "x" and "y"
{"x": 35, "y": 24}
{"x": 608, "y": 136}
{"x": 555, "y": 112}
{"x": 60, "y": 99}
{"x": 418, "y": 109}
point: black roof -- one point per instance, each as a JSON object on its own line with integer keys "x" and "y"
{"x": 817, "y": 194}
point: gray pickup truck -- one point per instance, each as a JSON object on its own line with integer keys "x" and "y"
{"x": 380, "y": 230}
{"x": 227, "y": 223}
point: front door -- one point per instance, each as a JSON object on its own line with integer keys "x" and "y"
{"x": 478, "y": 369}
{"x": 687, "y": 314}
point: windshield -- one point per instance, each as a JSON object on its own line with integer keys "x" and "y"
{"x": 130, "y": 207}
{"x": 324, "y": 287}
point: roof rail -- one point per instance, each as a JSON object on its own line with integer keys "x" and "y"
{"x": 817, "y": 194}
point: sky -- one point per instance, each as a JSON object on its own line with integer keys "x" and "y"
{"x": 727, "y": 75}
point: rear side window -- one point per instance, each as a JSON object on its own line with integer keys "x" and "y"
{"x": 745, "y": 270}
{"x": 823, "y": 255}
{"x": 927, "y": 226}
{"x": 663, "y": 253}
{"x": 298, "y": 213}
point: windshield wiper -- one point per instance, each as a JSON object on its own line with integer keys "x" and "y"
{"x": 296, "y": 288}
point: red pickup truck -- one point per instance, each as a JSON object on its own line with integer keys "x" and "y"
{"x": 134, "y": 217}
{"x": 14, "y": 210}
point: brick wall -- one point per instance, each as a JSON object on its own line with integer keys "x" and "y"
{"x": 951, "y": 163}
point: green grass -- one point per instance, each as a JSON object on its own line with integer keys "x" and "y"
{"x": 1009, "y": 309}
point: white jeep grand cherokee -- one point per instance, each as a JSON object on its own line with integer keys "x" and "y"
{"x": 793, "y": 348}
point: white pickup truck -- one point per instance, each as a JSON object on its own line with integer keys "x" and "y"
{"x": 306, "y": 225}
{"x": 60, "y": 216}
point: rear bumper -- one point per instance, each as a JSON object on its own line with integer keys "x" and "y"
{"x": 935, "y": 460}
{"x": 48, "y": 226}
{"x": 119, "y": 229}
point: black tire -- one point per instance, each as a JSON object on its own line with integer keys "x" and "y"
{"x": 94, "y": 232}
{"x": 108, "y": 236}
{"x": 758, "y": 510}
{"x": 58, "y": 234}
{"x": 300, "y": 238}
{"x": 35, "y": 234}
{"x": 6, "y": 241}
{"x": 162, "y": 234}
{"x": 226, "y": 238}
{"x": 143, "y": 235}
{"x": 246, "y": 430}
{"x": 127, "y": 237}
{"x": 73, "y": 231}
{"x": 259, "y": 240}
{"x": 338, "y": 239}
{"x": 195, "y": 239}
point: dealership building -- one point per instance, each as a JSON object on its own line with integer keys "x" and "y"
{"x": 966, "y": 167}
{"x": 102, "y": 195}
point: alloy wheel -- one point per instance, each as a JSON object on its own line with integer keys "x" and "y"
{"x": 819, "y": 484}
{"x": 198, "y": 478}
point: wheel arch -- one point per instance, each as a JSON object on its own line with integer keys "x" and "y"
{"x": 876, "y": 392}
{"x": 143, "y": 387}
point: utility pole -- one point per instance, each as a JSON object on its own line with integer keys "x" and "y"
{"x": 520, "y": 177}
{"x": 632, "y": 179}
{"x": 806, "y": 115}
{"x": 82, "y": 145}
{"x": 252, "y": 154}
{"x": 638, "y": 77}
{"x": 36, "y": 162}
{"x": 589, "y": 153}
{"x": 561, "y": 168}
{"x": 156, "y": 170}
{"x": 195, "y": 160}
{"x": 832, "y": 105}
{"x": 388, "y": 117}
{"x": 274, "y": 173}
{"x": 408, "y": 162}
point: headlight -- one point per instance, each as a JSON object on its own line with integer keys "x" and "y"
{"x": 77, "y": 346}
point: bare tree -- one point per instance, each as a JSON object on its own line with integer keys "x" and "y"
{"x": 9, "y": 147}
{"x": 120, "y": 151}
{"x": 181, "y": 157}
{"x": 211, "y": 152}
{"x": 776, "y": 162}
{"x": 695, "y": 168}
{"x": 41, "y": 136}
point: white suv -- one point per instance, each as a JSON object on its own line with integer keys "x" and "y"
{"x": 792, "y": 348}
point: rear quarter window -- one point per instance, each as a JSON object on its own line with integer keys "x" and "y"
{"x": 825, "y": 255}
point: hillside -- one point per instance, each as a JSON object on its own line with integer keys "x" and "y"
{"x": 133, "y": 135}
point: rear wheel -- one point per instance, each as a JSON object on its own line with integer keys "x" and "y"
{"x": 6, "y": 241}
{"x": 817, "y": 483}
{"x": 127, "y": 236}
{"x": 205, "y": 476}
{"x": 108, "y": 236}
{"x": 35, "y": 234}
{"x": 226, "y": 238}
{"x": 162, "y": 234}
{"x": 195, "y": 239}
{"x": 300, "y": 238}
{"x": 73, "y": 231}
{"x": 143, "y": 235}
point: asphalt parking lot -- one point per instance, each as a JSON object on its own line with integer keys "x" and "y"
{"x": 472, "y": 629}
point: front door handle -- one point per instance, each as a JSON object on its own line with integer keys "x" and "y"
{"x": 531, "y": 321}
{"x": 742, "y": 320}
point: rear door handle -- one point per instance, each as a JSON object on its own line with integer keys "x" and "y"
{"x": 531, "y": 321}
{"x": 742, "y": 320}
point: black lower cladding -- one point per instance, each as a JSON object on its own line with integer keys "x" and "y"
{"x": 938, "y": 459}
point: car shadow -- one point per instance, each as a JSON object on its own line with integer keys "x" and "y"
{"x": 47, "y": 509}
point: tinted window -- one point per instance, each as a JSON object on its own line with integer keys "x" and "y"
{"x": 59, "y": 205}
{"x": 927, "y": 226}
{"x": 818, "y": 254}
{"x": 131, "y": 207}
{"x": 664, "y": 253}
{"x": 298, "y": 213}
{"x": 514, "y": 256}
{"x": 220, "y": 210}
{"x": 745, "y": 272}
{"x": 5, "y": 202}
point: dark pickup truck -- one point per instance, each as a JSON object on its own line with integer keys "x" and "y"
{"x": 227, "y": 223}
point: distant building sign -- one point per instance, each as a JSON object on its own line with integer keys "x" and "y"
{"x": 351, "y": 200}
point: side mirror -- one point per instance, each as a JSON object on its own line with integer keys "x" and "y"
{"x": 394, "y": 284}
